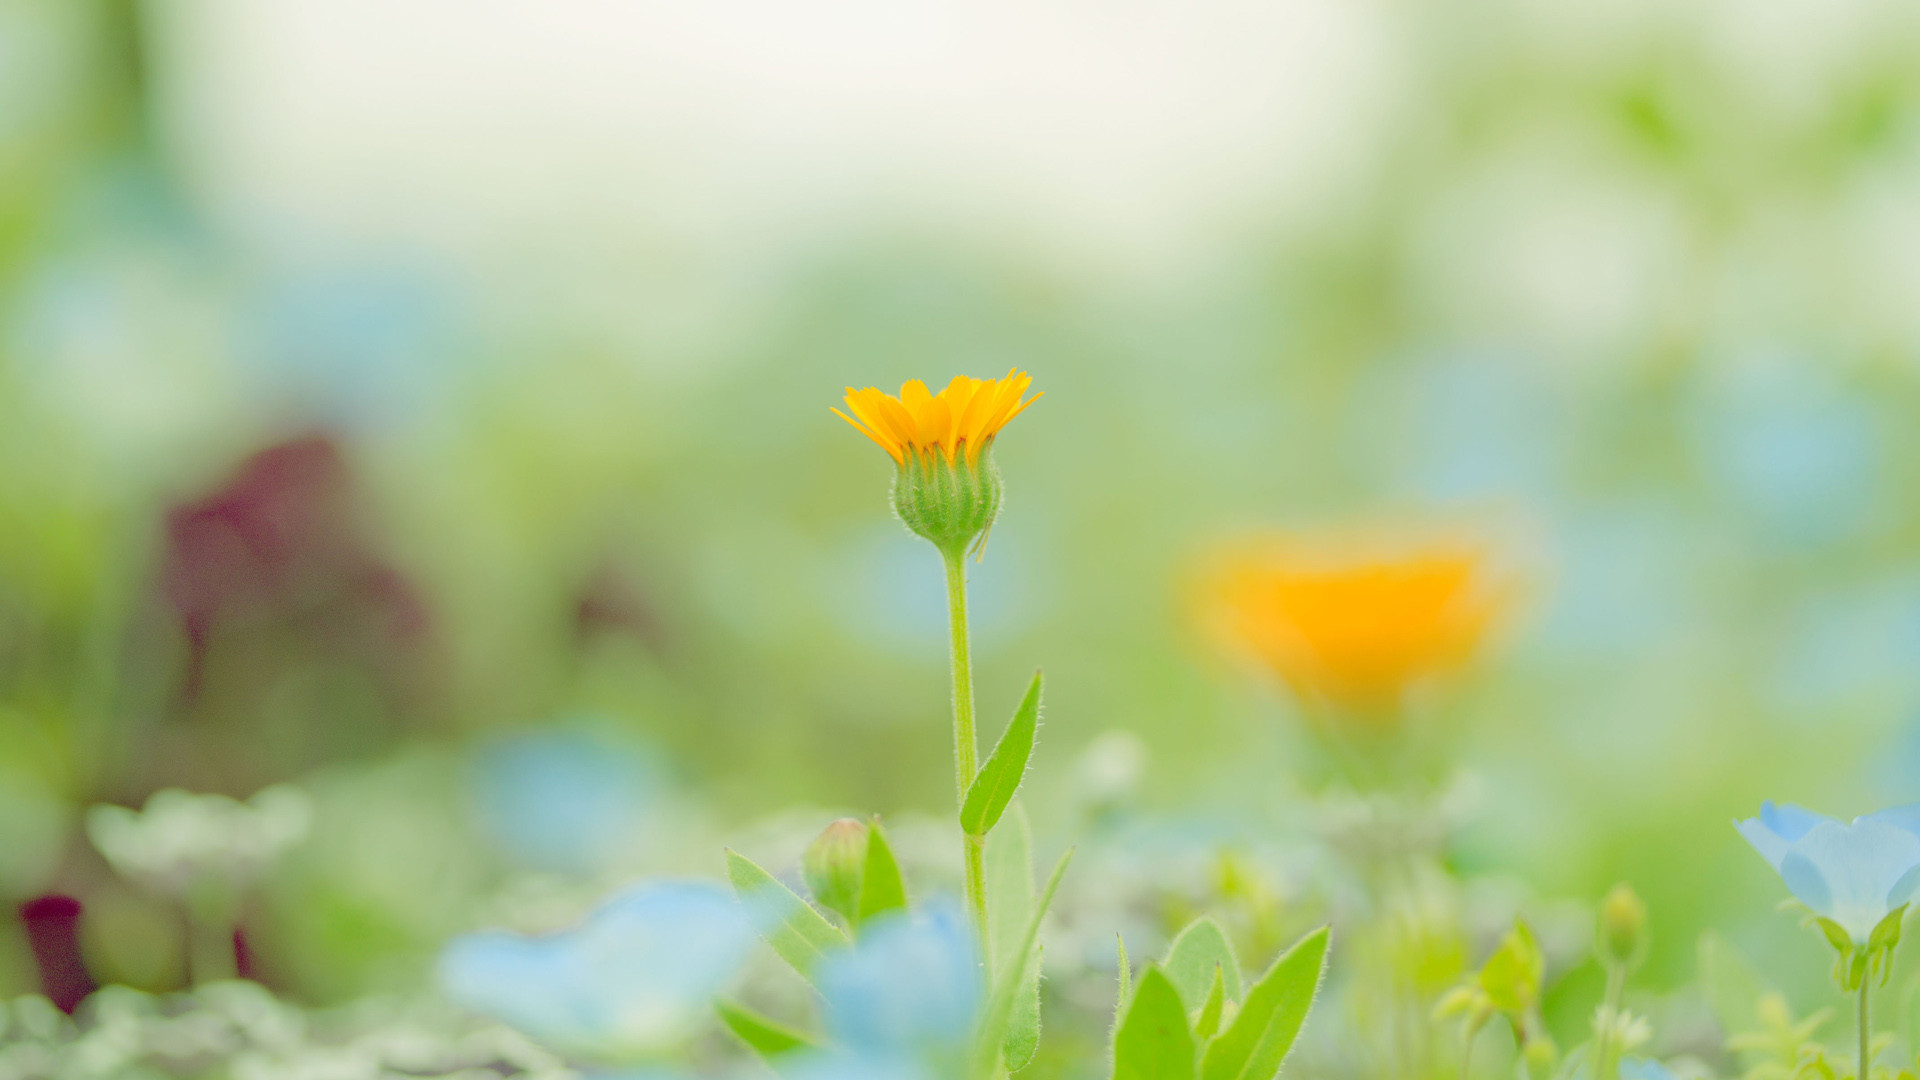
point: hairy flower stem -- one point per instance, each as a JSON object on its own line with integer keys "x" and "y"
{"x": 965, "y": 747}
{"x": 1866, "y": 1032}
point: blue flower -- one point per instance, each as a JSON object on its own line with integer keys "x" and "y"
{"x": 569, "y": 800}
{"x": 635, "y": 977}
{"x": 910, "y": 990}
{"x": 1851, "y": 873}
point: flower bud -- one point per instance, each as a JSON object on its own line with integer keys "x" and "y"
{"x": 949, "y": 502}
{"x": 835, "y": 865}
{"x": 1623, "y": 927}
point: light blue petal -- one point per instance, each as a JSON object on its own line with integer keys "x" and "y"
{"x": 639, "y": 972}
{"x": 1788, "y": 821}
{"x": 1903, "y": 817}
{"x": 910, "y": 986}
{"x": 1771, "y": 846}
{"x": 1849, "y": 873}
{"x": 1777, "y": 827}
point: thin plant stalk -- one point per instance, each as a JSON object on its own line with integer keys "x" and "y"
{"x": 966, "y": 750}
{"x": 1866, "y": 1032}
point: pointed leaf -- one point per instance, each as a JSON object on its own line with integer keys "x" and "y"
{"x": 768, "y": 1038}
{"x": 798, "y": 933}
{"x": 1208, "y": 1022}
{"x": 1009, "y": 866}
{"x": 1199, "y": 951}
{"x": 1126, "y": 981}
{"x": 1000, "y": 777}
{"x": 1153, "y": 1042}
{"x": 997, "y": 1018}
{"x": 1256, "y": 1043}
{"x": 881, "y": 889}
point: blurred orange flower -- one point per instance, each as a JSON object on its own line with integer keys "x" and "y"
{"x": 1354, "y": 627}
{"x": 968, "y": 413}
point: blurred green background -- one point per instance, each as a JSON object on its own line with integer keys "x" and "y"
{"x": 377, "y": 378}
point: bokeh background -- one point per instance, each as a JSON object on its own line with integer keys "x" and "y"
{"x": 425, "y": 402}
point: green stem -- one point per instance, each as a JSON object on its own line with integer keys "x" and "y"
{"x": 1866, "y": 1033}
{"x": 1606, "y": 1056}
{"x": 966, "y": 750}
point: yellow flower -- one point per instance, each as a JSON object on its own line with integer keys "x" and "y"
{"x": 1356, "y": 629}
{"x": 967, "y": 414}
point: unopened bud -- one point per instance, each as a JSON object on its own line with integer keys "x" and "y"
{"x": 1623, "y": 926}
{"x": 835, "y": 864}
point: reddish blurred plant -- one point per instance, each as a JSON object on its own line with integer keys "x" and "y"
{"x": 276, "y": 542}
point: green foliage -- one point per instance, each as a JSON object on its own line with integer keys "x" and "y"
{"x": 1262, "y": 1033}
{"x": 1000, "y": 777}
{"x": 1010, "y": 903}
{"x": 997, "y": 1020}
{"x": 1153, "y": 1041}
{"x": 1511, "y": 977}
{"x": 881, "y": 888}
{"x": 768, "y": 1038}
{"x": 799, "y": 934}
{"x": 1199, "y": 956}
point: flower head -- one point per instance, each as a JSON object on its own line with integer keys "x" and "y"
{"x": 960, "y": 420}
{"x": 1851, "y": 874}
{"x": 946, "y": 488}
{"x": 632, "y": 979}
{"x": 1355, "y": 628}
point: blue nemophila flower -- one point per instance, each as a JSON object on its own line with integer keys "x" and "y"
{"x": 636, "y": 976}
{"x": 910, "y": 990}
{"x": 1853, "y": 874}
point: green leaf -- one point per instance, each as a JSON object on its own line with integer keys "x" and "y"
{"x": 1208, "y": 1022}
{"x": 996, "y": 1020}
{"x": 1126, "y": 981}
{"x": 802, "y": 935}
{"x": 1009, "y": 872}
{"x": 1256, "y": 1043}
{"x": 881, "y": 889}
{"x": 1512, "y": 974}
{"x": 1197, "y": 953}
{"x": 768, "y": 1038}
{"x": 1000, "y": 777}
{"x": 1153, "y": 1042}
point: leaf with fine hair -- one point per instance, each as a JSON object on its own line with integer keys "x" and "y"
{"x": 993, "y": 788}
{"x": 1197, "y": 953}
{"x": 997, "y": 1017}
{"x": 1153, "y": 1041}
{"x": 1256, "y": 1043}
{"x": 1009, "y": 870}
{"x": 799, "y": 934}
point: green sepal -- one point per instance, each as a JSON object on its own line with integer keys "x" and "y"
{"x": 1201, "y": 953}
{"x": 767, "y": 1037}
{"x": 1256, "y": 1044}
{"x": 994, "y": 786}
{"x": 881, "y": 888}
{"x": 801, "y": 936}
{"x": 1153, "y": 1041}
